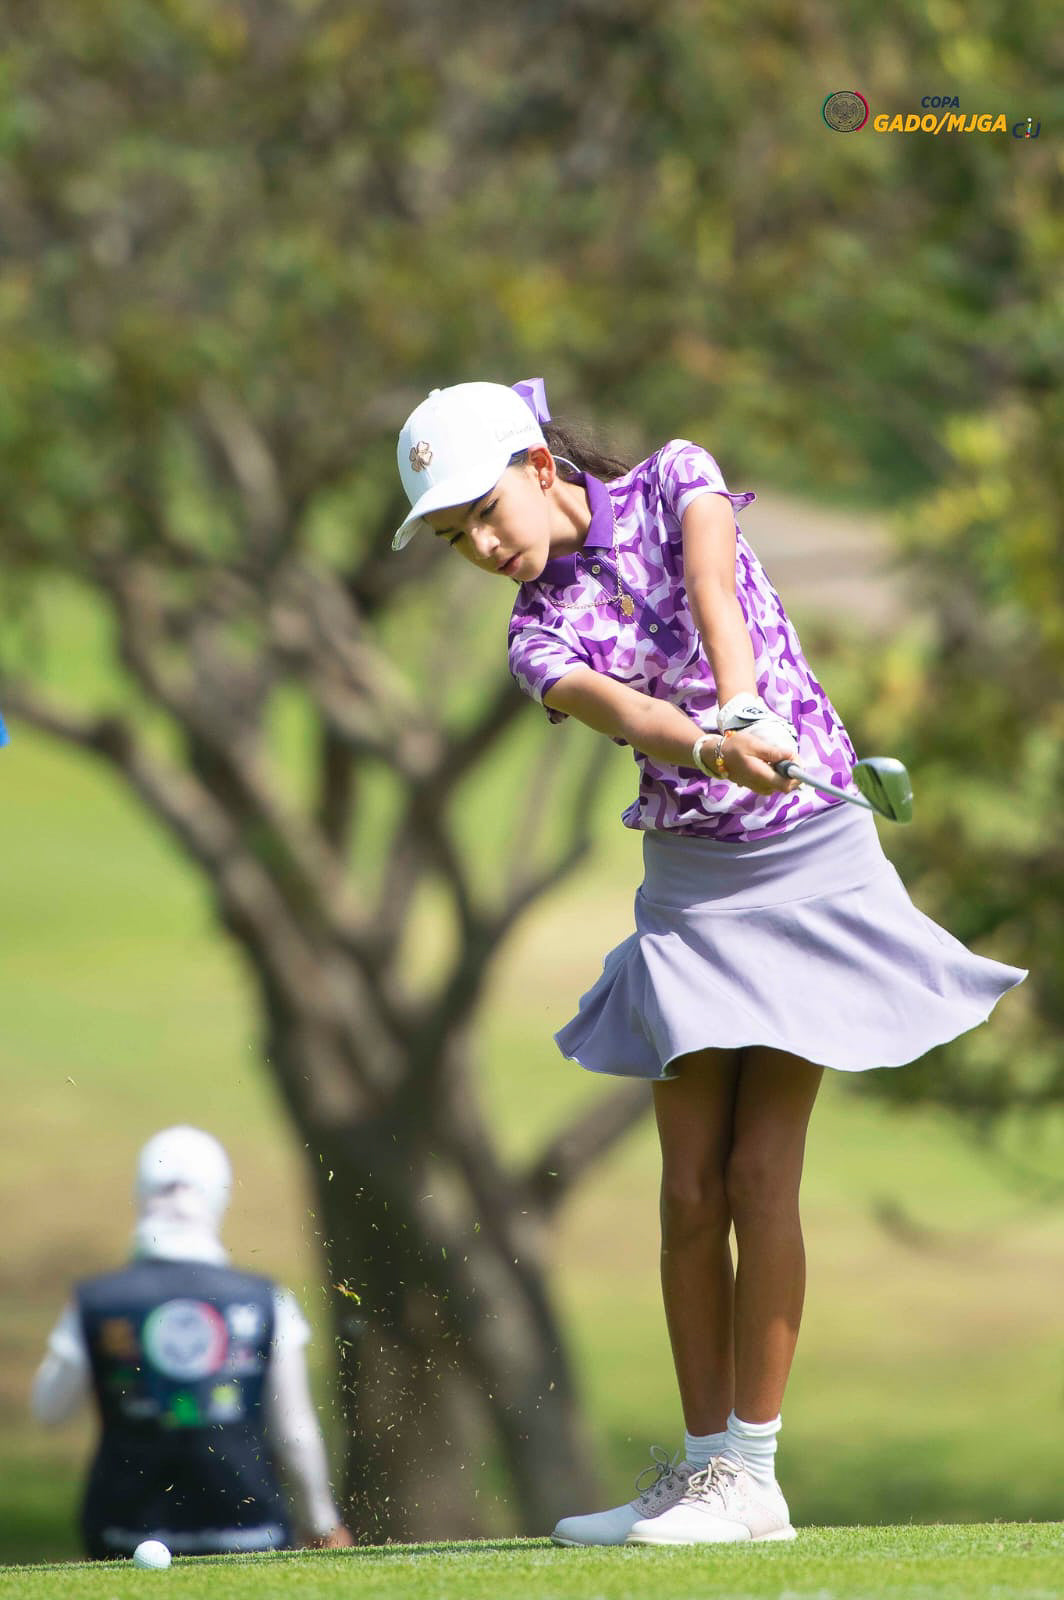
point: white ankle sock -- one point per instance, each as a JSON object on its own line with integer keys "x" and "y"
{"x": 755, "y": 1445}
{"x": 700, "y": 1448}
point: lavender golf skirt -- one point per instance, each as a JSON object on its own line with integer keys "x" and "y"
{"x": 805, "y": 941}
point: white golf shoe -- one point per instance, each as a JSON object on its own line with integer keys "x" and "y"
{"x": 612, "y": 1527}
{"x": 723, "y": 1504}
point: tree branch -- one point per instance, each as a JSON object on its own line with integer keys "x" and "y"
{"x": 504, "y": 707}
{"x": 312, "y": 872}
{"x": 336, "y": 787}
{"x": 250, "y": 465}
{"x": 524, "y": 890}
{"x": 399, "y": 883}
{"x": 312, "y": 987}
{"x": 535, "y": 814}
{"x": 187, "y": 808}
{"x": 317, "y": 629}
{"x": 570, "y": 1154}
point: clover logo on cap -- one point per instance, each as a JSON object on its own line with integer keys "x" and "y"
{"x": 420, "y": 455}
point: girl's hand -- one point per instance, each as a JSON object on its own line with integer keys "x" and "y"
{"x": 749, "y": 758}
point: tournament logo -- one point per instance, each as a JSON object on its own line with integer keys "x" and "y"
{"x": 186, "y": 1339}
{"x": 845, "y": 111}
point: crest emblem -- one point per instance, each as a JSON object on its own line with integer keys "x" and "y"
{"x": 185, "y": 1339}
{"x": 420, "y": 455}
{"x": 846, "y": 110}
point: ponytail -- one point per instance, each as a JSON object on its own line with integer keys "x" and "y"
{"x": 577, "y": 448}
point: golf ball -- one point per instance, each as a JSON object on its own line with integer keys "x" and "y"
{"x": 151, "y": 1553}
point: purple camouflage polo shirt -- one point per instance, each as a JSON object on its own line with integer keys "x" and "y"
{"x": 635, "y": 534}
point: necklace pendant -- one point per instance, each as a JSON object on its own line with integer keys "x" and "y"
{"x": 627, "y": 605}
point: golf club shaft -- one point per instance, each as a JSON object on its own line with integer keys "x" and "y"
{"x": 791, "y": 769}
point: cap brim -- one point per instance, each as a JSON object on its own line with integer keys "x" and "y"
{"x": 457, "y": 491}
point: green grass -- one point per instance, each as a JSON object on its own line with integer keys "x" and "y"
{"x": 999, "y": 1561}
{"x": 928, "y": 1381}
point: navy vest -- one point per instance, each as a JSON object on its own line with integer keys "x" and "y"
{"x": 179, "y": 1352}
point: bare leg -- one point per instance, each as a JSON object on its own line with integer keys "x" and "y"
{"x": 774, "y": 1099}
{"x": 694, "y": 1114}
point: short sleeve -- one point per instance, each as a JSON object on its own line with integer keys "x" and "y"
{"x": 540, "y": 655}
{"x": 686, "y": 471}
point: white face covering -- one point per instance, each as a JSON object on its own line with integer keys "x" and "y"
{"x": 181, "y": 1190}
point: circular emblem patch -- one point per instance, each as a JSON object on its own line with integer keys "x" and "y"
{"x": 185, "y": 1339}
{"x": 845, "y": 111}
{"x": 420, "y": 455}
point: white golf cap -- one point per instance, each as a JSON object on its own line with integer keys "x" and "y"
{"x": 456, "y": 444}
{"x": 187, "y": 1157}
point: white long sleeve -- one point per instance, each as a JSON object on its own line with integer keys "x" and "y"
{"x": 292, "y": 1423}
{"x": 63, "y": 1380}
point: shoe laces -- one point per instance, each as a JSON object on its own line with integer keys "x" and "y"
{"x": 713, "y": 1482}
{"x": 665, "y": 1477}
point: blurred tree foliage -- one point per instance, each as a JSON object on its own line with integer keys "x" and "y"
{"x": 977, "y": 708}
{"x": 241, "y": 238}
{"x": 325, "y": 208}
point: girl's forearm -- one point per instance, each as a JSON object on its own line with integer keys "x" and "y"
{"x": 660, "y": 730}
{"x": 656, "y": 728}
{"x": 666, "y": 734}
{"x": 725, "y": 639}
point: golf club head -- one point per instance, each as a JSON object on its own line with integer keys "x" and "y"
{"x": 885, "y": 784}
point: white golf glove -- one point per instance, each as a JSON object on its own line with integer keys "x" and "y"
{"x": 748, "y": 713}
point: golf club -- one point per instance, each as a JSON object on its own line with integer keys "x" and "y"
{"x": 882, "y": 781}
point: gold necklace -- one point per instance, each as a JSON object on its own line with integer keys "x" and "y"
{"x": 626, "y": 602}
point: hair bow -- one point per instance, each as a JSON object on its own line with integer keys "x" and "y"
{"x": 534, "y": 394}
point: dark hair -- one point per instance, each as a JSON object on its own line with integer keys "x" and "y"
{"x": 578, "y": 449}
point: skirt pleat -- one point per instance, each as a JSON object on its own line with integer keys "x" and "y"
{"x": 805, "y": 941}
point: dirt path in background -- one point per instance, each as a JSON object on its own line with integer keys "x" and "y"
{"x": 827, "y": 562}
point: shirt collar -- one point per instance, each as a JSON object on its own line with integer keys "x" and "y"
{"x": 562, "y": 569}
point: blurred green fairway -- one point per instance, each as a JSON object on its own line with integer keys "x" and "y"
{"x": 1002, "y": 1562}
{"x": 928, "y": 1381}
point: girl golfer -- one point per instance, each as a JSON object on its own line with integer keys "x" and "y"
{"x": 773, "y": 939}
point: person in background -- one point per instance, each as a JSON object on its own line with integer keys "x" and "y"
{"x": 199, "y": 1376}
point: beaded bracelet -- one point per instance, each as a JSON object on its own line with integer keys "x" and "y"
{"x": 718, "y": 754}
{"x": 717, "y": 766}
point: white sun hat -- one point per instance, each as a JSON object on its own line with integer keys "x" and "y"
{"x": 187, "y": 1159}
{"x": 456, "y": 444}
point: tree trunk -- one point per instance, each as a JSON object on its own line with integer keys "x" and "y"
{"x": 452, "y": 1361}
{"x": 453, "y": 1376}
